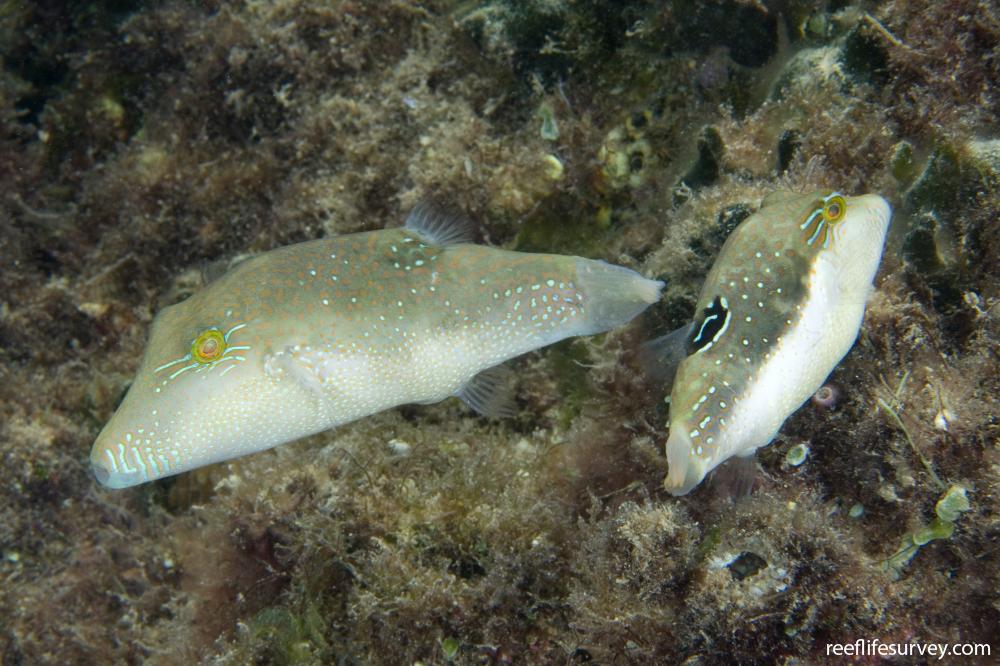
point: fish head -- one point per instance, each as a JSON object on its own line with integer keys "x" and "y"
{"x": 847, "y": 232}
{"x": 196, "y": 389}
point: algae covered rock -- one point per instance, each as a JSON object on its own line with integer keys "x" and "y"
{"x": 143, "y": 144}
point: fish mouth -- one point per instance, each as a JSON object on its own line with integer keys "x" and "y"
{"x": 114, "y": 479}
{"x": 101, "y": 473}
{"x": 683, "y": 480}
{"x": 113, "y": 471}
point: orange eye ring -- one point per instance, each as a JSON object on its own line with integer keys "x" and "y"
{"x": 209, "y": 346}
{"x": 834, "y": 208}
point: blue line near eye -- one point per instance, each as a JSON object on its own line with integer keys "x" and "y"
{"x": 809, "y": 220}
{"x": 813, "y": 238}
{"x": 233, "y": 330}
{"x": 186, "y": 357}
{"x": 184, "y": 369}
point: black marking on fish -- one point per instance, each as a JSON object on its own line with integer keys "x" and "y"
{"x": 710, "y": 326}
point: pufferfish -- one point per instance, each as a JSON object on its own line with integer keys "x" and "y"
{"x": 310, "y": 336}
{"x": 781, "y": 306}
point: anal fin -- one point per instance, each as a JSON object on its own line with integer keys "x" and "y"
{"x": 490, "y": 393}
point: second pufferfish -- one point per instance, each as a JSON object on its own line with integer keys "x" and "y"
{"x": 781, "y": 306}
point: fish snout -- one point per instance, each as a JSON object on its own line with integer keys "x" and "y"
{"x": 110, "y": 474}
{"x": 686, "y": 469}
{"x": 878, "y": 212}
{"x": 117, "y": 463}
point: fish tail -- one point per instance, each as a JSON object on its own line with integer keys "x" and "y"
{"x": 613, "y": 295}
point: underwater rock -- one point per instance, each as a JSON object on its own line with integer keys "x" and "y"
{"x": 748, "y": 31}
{"x": 932, "y": 247}
{"x": 788, "y": 143}
{"x": 984, "y": 156}
{"x": 728, "y": 219}
{"x": 142, "y": 142}
{"x": 920, "y": 245}
{"x": 625, "y": 157}
{"x": 811, "y": 69}
{"x": 953, "y": 173}
{"x": 706, "y": 169}
{"x": 864, "y": 54}
{"x": 747, "y": 564}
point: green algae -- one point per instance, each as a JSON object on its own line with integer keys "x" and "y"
{"x": 949, "y": 508}
{"x": 549, "y": 129}
{"x": 449, "y": 647}
{"x": 564, "y": 229}
{"x": 289, "y": 637}
{"x": 570, "y": 360}
{"x": 797, "y": 455}
{"x": 952, "y": 504}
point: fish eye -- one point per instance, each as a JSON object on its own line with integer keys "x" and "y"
{"x": 208, "y": 346}
{"x": 834, "y": 208}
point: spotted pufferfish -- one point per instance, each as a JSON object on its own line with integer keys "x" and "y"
{"x": 781, "y": 306}
{"x": 310, "y": 336}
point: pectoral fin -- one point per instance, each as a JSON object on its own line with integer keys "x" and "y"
{"x": 490, "y": 393}
{"x": 660, "y": 357}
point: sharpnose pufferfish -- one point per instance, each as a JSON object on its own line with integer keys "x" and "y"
{"x": 310, "y": 336}
{"x": 781, "y": 306}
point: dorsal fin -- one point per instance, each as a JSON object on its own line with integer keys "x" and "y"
{"x": 440, "y": 227}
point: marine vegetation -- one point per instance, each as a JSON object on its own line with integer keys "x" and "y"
{"x": 151, "y": 149}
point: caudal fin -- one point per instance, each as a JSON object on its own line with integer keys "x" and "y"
{"x": 613, "y": 295}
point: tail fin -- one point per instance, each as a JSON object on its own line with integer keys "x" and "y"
{"x": 613, "y": 294}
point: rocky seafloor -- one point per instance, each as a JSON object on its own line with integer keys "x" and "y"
{"x": 144, "y": 146}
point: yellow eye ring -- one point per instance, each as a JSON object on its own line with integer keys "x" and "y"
{"x": 209, "y": 346}
{"x": 834, "y": 208}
